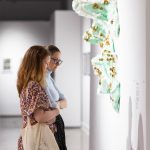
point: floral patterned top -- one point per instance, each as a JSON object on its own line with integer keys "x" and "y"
{"x": 32, "y": 98}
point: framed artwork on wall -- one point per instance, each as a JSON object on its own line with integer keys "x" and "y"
{"x": 6, "y": 65}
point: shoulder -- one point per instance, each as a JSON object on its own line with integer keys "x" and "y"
{"x": 34, "y": 85}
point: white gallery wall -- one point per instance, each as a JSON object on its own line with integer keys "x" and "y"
{"x": 86, "y": 49}
{"x": 132, "y": 63}
{"x": 67, "y": 37}
{"x": 15, "y": 38}
{"x": 125, "y": 130}
{"x": 148, "y": 74}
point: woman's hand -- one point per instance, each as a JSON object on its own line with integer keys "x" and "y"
{"x": 62, "y": 103}
{"x": 42, "y": 116}
{"x": 51, "y": 122}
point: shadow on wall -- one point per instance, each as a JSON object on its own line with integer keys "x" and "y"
{"x": 140, "y": 130}
{"x": 140, "y": 134}
{"x": 129, "y": 145}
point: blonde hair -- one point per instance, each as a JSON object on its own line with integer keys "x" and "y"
{"x": 31, "y": 68}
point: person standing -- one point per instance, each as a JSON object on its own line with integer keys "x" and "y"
{"x": 34, "y": 102}
{"x": 56, "y": 98}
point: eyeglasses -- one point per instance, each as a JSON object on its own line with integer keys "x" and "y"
{"x": 56, "y": 61}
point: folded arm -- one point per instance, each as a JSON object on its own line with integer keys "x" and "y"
{"x": 42, "y": 116}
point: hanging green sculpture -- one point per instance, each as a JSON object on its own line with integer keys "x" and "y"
{"x": 105, "y": 28}
{"x": 104, "y": 66}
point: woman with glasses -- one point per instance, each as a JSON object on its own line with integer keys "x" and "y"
{"x": 57, "y": 99}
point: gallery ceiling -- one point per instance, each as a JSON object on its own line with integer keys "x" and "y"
{"x": 30, "y": 9}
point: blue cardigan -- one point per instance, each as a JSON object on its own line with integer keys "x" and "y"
{"x": 52, "y": 91}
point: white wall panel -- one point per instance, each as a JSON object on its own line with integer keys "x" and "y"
{"x": 15, "y": 38}
{"x": 67, "y": 36}
{"x": 126, "y": 129}
{"x": 86, "y": 63}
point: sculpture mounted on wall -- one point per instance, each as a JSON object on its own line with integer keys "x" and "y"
{"x": 103, "y": 32}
